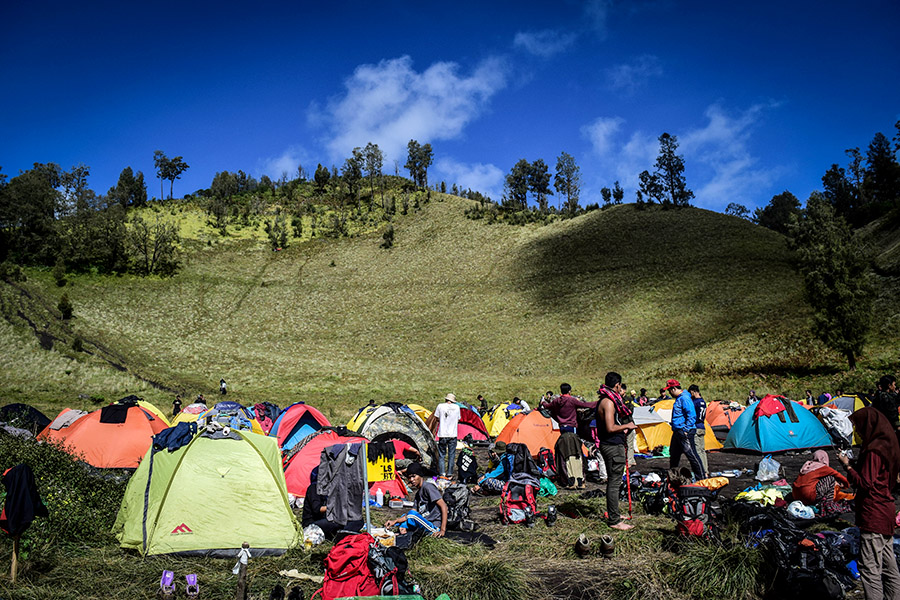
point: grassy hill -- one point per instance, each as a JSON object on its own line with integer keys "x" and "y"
{"x": 456, "y": 305}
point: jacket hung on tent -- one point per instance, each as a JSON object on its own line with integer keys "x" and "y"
{"x": 207, "y": 498}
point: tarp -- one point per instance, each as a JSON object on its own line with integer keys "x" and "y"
{"x": 795, "y": 428}
{"x": 295, "y": 423}
{"x": 207, "y": 498}
{"x": 109, "y": 445}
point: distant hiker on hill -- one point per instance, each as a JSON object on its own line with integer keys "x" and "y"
{"x": 684, "y": 428}
{"x": 447, "y": 413}
{"x": 873, "y": 476}
{"x": 563, "y": 408}
{"x": 700, "y": 435}
{"x": 176, "y": 405}
{"x": 612, "y": 431}
{"x": 483, "y": 407}
{"x": 223, "y": 387}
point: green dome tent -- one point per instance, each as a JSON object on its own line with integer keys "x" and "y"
{"x": 208, "y": 497}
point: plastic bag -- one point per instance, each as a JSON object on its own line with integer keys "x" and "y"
{"x": 800, "y": 510}
{"x": 313, "y": 535}
{"x": 769, "y": 469}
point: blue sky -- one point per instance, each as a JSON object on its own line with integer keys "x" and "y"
{"x": 763, "y": 96}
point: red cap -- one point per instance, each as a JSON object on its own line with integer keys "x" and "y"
{"x": 671, "y": 384}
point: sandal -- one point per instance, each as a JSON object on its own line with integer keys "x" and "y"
{"x": 192, "y": 589}
{"x": 167, "y": 585}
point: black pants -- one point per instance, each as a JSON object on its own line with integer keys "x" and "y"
{"x": 683, "y": 443}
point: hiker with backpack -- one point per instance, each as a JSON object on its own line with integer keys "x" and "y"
{"x": 430, "y": 511}
{"x": 874, "y": 475}
{"x": 447, "y": 413}
{"x": 493, "y": 481}
{"x": 563, "y": 408}
{"x": 684, "y": 429}
{"x": 612, "y": 430}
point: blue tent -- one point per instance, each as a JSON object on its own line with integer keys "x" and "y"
{"x": 775, "y": 424}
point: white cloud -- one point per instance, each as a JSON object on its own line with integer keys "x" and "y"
{"x": 721, "y": 147}
{"x": 484, "y": 178}
{"x": 601, "y": 132}
{"x": 628, "y": 77}
{"x": 287, "y": 162}
{"x": 596, "y": 14}
{"x": 389, "y": 103}
{"x": 544, "y": 43}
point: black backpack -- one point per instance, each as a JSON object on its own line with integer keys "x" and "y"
{"x": 390, "y": 568}
{"x": 467, "y": 467}
{"x": 522, "y": 461}
{"x": 456, "y": 496}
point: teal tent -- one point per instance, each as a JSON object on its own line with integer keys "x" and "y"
{"x": 775, "y": 424}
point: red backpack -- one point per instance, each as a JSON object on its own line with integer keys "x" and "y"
{"x": 347, "y": 572}
{"x": 517, "y": 501}
{"x": 690, "y": 507}
{"x": 546, "y": 463}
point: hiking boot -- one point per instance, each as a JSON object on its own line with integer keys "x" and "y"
{"x": 582, "y": 546}
{"x": 607, "y": 546}
{"x": 295, "y": 594}
{"x": 277, "y": 593}
{"x": 550, "y": 519}
{"x": 192, "y": 589}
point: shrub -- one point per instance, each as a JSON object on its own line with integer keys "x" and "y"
{"x": 59, "y": 272}
{"x": 11, "y": 272}
{"x": 77, "y": 344}
{"x": 388, "y": 237}
{"x": 65, "y": 307}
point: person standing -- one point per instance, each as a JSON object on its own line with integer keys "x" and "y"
{"x": 563, "y": 408}
{"x": 873, "y": 476}
{"x": 447, "y": 414}
{"x": 612, "y": 431}
{"x": 886, "y": 400}
{"x": 223, "y": 387}
{"x": 700, "y": 435}
{"x": 684, "y": 428}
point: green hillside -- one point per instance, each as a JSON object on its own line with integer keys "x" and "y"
{"x": 456, "y": 305}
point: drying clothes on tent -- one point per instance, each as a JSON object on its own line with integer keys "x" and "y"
{"x": 376, "y": 451}
{"x": 175, "y": 437}
{"x": 66, "y": 418}
{"x": 342, "y": 479}
{"x": 114, "y": 413}
{"x": 23, "y": 503}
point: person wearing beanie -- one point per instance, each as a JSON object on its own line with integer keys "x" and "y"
{"x": 430, "y": 512}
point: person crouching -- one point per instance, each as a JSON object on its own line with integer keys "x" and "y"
{"x": 430, "y": 513}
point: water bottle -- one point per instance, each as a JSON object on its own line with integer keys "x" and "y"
{"x": 379, "y": 498}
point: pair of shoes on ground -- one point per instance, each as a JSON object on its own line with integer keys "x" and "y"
{"x": 277, "y": 593}
{"x": 167, "y": 586}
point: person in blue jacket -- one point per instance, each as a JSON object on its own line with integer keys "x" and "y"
{"x": 684, "y": 428}
{"x": 492, "y": 481}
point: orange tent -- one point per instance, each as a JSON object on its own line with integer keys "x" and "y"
{"x": 722, "y": 415}
{"x": 109, "y": 445}
{"x": 532, "y": 429}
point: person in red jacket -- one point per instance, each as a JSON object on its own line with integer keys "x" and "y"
{"x": 873, "y": 476}
{"x": 818, "y": 485}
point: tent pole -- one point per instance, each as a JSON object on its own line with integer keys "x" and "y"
{"x": 366, "y": 487}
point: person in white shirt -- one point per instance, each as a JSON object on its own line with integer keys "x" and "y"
{"x": 521, "y": 403}
{"x": 447, "y": 414}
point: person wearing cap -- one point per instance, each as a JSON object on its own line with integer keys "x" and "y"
{"x": 430, "y": 512}
{"x": 614, "y": 423}
{"x": 563, "y": 408}
{"x": 684, "y": 429}
{"x": 447, "y": 413}
{"x": 492, "y": 481}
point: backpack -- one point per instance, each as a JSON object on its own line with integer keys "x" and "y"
{"x": 517, "y": 500}
{"x": 456, "y": 496}
{"x": 390, "y": 567}
{"x": 347, "y": 571}
{"x": 546, "y": 463}
{"x": 467, "y": 467}
{"x": 522, "y": 461}
{"x": 585, "y": 422}
{"x": 690, "y": 507}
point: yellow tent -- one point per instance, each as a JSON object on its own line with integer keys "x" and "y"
{"x": 420, "y": 410}
{"x": 497, "y": 418}
{"x": 660, "y": 434}
{"x": 154, "y": 411}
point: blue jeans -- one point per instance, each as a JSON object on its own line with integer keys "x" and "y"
{"x": 446, "y": 455}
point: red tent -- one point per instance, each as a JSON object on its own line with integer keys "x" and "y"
{"x": 469, "y": 424}
{"x": 304, "y": 457}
